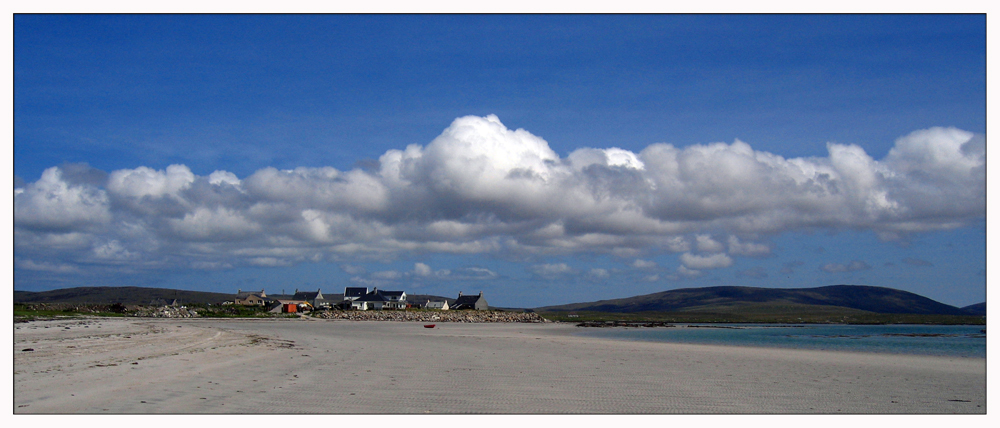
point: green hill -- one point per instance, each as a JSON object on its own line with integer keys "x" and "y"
{"x": 850, "y": 298}
{"x": 123, "y": 295}
{"x": 977, "y": 309}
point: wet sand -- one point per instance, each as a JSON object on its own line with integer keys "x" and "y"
{"x": 309, "y": 366}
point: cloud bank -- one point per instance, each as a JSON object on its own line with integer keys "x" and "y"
{"x": 480, "y": 187}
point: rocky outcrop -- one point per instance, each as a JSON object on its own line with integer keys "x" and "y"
{"x": 163, "y": 312}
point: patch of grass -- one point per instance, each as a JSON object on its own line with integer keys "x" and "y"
{"x": 32, "y": 312}
{"x": 234, "y": 311}
{"x": 23, "y": 313}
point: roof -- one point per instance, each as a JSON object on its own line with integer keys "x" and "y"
{"x": 240, "y": 294}
{"x": 355, "y": 291}
{"x": 466, "y": 301}
{"x": 305, "y": 295}
{"x": 372, "y": 297}
{"x": 392, "y": 293}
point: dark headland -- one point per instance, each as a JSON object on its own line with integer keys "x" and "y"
{"x": 834, "y": 303}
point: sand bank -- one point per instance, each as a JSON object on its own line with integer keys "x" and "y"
{"x": 107, "y": 366}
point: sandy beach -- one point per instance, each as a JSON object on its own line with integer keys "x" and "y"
{"x": 310, "y": 366}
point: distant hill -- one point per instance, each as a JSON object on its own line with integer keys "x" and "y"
{"x": 726, "y": 299}
{"x": 143, "y": 296}
{"x": 977, "y": 309}
{"x": 124, "y": 295}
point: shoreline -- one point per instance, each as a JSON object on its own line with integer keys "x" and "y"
{"x": 316, "y": 366}
{"x": 585, "y": 324}
{"x": 617, "y": 332}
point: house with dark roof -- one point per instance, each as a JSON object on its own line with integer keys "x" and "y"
{"x": 379, "y": 299}
{"x": 442, "y": 305}
{"x": 315, "y": 298}
{"x": 394, "y": 299}
{"x": 370, "y": 301}
{"x": 249, "y": 298}
{"x": 353, "y": 293}
{"x": 470, "y": 302}
{"x": 240, "y": 294}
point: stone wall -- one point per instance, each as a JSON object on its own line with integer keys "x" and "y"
{"x": 431, "y": 316}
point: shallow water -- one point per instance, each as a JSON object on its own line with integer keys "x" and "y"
{"x": 944, "y": 340}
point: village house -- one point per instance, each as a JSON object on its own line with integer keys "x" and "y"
{"x": 315, "y": 298}
{"x": 470, "y": 302}
{"x": 376, "y": 299}
{"x": 353, "y": 293}
{"x": 394, "y": 299}
{"x": 370, "y": 301}
{"x": 436, "y": 305}
{"x": 250, "y": 298}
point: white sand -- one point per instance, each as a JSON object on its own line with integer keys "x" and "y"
{"x": 103, "y": 366}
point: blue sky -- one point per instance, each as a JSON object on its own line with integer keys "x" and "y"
{"x": 542, "y": 159}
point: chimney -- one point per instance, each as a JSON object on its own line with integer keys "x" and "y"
{"x": 459, "y": 294}
{"x": 480, "y": 294}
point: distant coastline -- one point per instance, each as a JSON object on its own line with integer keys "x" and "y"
{"x": 839, "y": 304}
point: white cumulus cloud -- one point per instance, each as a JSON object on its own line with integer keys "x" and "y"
{"x": 551, "y": 269}
{"x": 688, "y": 273}
{"x": 643, "y": 264}
{"x": 421, "y": 269}
{"x": 53, "y": 204}
{"x": 706, "y": 244}
{"x": 713, "y": 261}
{"x": 143, "y": 181}
{"x": 748, "y": 249}
{"x": 480, "y": 187}
{"x": 598, "y": 273}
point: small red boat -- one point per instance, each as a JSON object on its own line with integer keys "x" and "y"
{"x": 428, "y": 325}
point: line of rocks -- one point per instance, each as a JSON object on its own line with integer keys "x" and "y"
{"x": 624, "y": 324}
{"x": 433, "y": 316}
{"x": 420, "y": 316}
{"x": 163, "y": 312}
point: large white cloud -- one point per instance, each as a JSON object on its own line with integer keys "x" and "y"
{"x": 144, "y": 181}
{"x": 480, "y": 187}
{"x": 53, "y": 204}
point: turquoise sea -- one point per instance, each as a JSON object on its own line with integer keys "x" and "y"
{"x": 945, "y": 340}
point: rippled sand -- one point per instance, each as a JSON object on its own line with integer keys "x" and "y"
{"x": 107, "y": 366}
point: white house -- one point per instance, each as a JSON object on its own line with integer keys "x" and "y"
{"x": 394, "y": 299}
{"x": 378, "y": 300}
{"x": 436, "y": 305}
